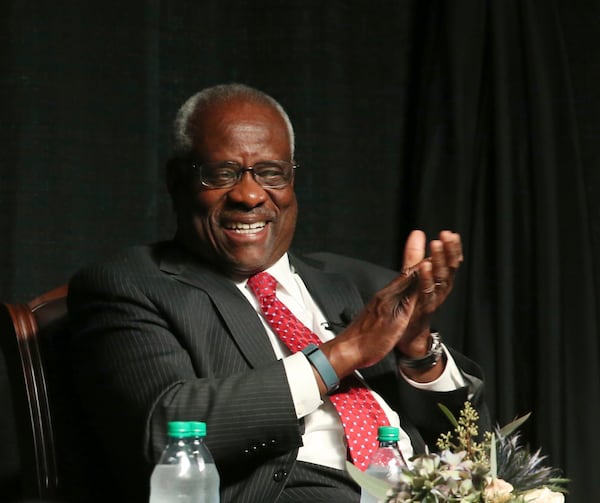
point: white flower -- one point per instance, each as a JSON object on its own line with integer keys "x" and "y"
{"x": 544, "y": 495}
{"x": 497, "y": 491}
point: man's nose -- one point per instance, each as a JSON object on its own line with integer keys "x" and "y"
{"x": 248, "y": 191}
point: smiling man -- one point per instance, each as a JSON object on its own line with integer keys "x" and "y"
{"x": 240, "y": 226}
{"x": 224, "y": 324}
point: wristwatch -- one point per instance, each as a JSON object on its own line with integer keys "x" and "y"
{"x": 427, "y": 361}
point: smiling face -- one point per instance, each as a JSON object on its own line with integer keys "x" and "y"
{"x": 246, "y": 228}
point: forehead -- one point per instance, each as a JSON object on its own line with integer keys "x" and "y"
{"x": 239, "y": 123}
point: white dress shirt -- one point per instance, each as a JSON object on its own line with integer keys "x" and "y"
{"x": 324, "y": 439}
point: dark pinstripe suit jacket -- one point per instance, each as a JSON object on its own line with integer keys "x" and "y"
{"x": 159, "y": 336}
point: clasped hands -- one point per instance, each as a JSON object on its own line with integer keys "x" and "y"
{"x": 398, "y": 316}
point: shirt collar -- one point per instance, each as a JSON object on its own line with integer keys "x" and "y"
{"x": 283, "y": 272}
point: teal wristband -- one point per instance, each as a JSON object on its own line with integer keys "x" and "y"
{"x": 321, "y": 364}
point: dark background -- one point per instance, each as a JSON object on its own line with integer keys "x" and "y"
{"x": 479, "y": 116}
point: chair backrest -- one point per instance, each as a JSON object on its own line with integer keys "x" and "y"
{"x": 32, "y": 337}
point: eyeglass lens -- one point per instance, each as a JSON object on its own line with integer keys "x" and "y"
{"x": 272, "y": 174}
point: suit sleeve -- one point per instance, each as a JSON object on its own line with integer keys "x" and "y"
{"x": 135, "y": 373}
{"x": 421, "y": 407}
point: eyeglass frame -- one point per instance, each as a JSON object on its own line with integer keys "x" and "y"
{"x": 240, "y": 173}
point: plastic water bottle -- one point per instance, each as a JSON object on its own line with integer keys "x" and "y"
{"x": 206, "y": 464}
{"x": 186, "y": 471}
{"x": 386, "y": 462}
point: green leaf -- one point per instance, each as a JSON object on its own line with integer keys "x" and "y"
{"x": 448, "y": 414}
{"x": 513, "y": 425}
{"x": 375, "y": 486}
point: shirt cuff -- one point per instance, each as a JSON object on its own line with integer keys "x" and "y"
{"x": 303, "y": 384}
{"x": 450, "y": 379}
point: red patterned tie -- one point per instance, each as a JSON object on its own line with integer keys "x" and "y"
{"x": 359, "y": 411}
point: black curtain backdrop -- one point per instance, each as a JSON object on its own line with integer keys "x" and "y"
{"x": 479, "y": 116}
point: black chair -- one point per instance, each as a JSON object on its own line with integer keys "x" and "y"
{"x": 51, "y": 455}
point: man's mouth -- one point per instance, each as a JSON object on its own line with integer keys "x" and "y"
{"x": 243, "y": 228}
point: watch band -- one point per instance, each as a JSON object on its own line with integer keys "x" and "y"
{"x": 427, "y": 361}
{"x": 319, "y": 361}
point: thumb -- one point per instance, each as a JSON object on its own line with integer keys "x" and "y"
{"x": 414, "y": 249}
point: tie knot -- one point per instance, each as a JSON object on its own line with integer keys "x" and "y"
{"x": 262, "y": 284}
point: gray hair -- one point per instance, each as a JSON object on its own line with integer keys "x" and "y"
{"x": 182, "y": 129}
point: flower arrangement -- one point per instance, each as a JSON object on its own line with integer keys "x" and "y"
{"x": 497, "y": 469}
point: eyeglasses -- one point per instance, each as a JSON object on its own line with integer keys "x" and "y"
{"x": 226, "y": 174}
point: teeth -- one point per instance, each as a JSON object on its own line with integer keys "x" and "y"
{"x": 246, "y": 228}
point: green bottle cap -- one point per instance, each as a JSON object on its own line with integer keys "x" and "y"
{"x": 198, "y": 428}
{"x": 388, "y": 433}
{"x": 179, "y": 429}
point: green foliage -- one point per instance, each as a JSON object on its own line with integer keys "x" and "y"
{"x": 495, "y": 469}
{"x": 463, "y": 438}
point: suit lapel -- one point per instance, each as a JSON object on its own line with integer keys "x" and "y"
{"x": 340, "y": 302}
{"x": 337, "y": 298}
{"x": 237, "y": 314}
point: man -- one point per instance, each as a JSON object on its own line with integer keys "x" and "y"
{"x": 180, "y": 330}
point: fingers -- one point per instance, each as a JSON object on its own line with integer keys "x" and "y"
{"x": 414, "y": 249}
{"x": 427, "y": 281}
{"x": 436, "y": 272}
{"x": 446, "y": 256}
{"x": 452, "y": 248}
{"x": 439, "y": 263}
